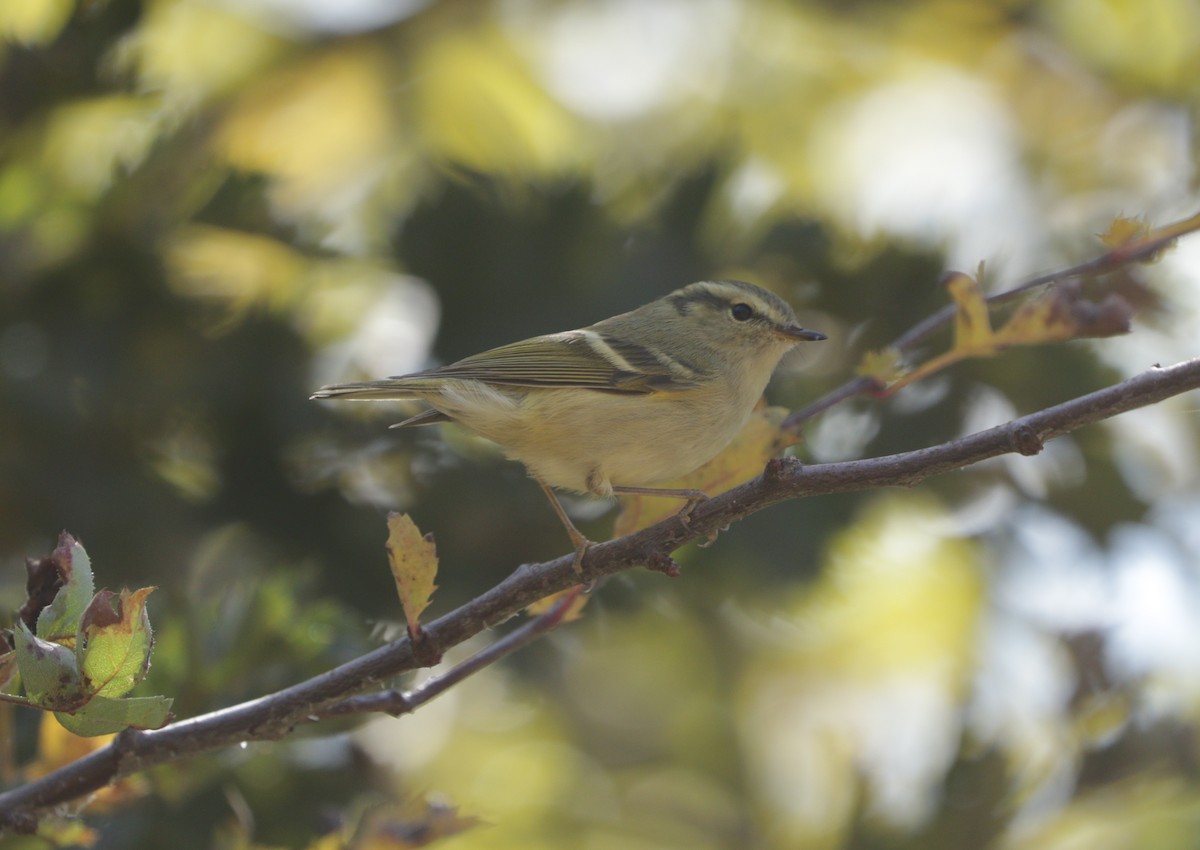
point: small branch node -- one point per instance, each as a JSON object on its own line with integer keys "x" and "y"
{"x": 399, "y": 704}
{"x": 426, "y": 653}
{"x": 665, "y": 564}
{"x": 272, "y": 730}
{"x": 1026, "y": 441}
{"x": 129, "y": 745}
{"x": 779, "y": 469}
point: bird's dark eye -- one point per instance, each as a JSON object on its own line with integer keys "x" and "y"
{"x": 741, "y": 312}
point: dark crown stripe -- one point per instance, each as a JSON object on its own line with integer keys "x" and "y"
{"x": 699, "y": 295}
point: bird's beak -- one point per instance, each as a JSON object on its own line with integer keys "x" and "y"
{"x": 798, "y": 333}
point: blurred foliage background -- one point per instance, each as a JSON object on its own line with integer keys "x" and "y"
{"x": 208, "y": 208}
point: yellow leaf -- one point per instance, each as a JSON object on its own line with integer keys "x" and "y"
{"x": 1099, "y": 717}
{"x": 1041, "y": 320}
{"x": 90, "y": 143}
{"x": 759, "y": 440}
{"x": 885, "y": 366}
{"x": 1123, "y": 231}
{"x": 889, "y": 630}
{"x": 972, "y": 325}
{"x": 898, "y": 591}
{"x": 574, "y": 610}
{"x": 480, "y": 105}
{"x": 413, "y": 559}
{"x": 1061, "y": 314}
{"x": 234, "y": 268}
{"x": 316, "y": 127}
{"x": 56, "y": 748}
{"x": 332, "y": 841}
{"x": 188, "y": 52}
{"x": 34, "y": 24}
{"x": 67, "y": 833}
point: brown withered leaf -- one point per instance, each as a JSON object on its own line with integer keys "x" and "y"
{"x": 1110, "y": 317}
{"x": 44, "y": 578}
{"x": 102, "y": 612}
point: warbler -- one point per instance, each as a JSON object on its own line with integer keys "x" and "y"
{"x": 619, "y": 406}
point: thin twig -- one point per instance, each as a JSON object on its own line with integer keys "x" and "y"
{"x": 396, "y": 702}
{"x": 1142, "y": 250}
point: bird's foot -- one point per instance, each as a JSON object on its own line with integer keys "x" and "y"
{"x": 582, "y": 544}
{"x": 695, "y": 498}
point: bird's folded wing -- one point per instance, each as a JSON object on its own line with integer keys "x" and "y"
{"x": 582, "y": 359}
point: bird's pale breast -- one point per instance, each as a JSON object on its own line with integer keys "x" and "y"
{"x": 589, "y": 441}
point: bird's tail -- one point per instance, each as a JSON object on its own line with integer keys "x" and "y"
{"x": 386, "y": 389}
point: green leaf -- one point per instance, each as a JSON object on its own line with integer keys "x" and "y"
{"x": 58, "y": 619}
{"x": 49, "y": 671}
{"x": 114, "y": 642}
{"x": 104, "y": 716}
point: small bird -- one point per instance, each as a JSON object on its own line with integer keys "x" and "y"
{"x": 620, "y": 406}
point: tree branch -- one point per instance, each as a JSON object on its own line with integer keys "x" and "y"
{"x": 396, "y": 703}
{"x": 274, "y": 715}
{"x": 1143, "y": 248}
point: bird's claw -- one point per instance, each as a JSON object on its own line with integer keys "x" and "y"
{"x": 694, "y": 501}
{"x": 582, "y": 544}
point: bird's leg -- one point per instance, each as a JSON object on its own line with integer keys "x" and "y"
{"x": 693, "y": 497}
{"x": 577, "y": 537}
